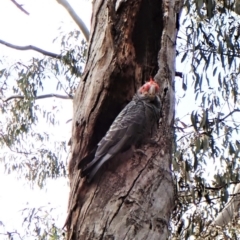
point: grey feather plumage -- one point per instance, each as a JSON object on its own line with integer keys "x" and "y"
{"x": 134, "y": 124}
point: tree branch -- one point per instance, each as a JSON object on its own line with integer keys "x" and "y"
{"x": 39, "y": 97}
{"x": 75, "y": 17}
{"x": 212, "y": 50}
{"x": 30, "y": 47}
{"x": 235, "y": 110}
{"x": 221, "y": 186}
{"x": 20, "y": 7}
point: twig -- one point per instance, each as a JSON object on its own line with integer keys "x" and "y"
{"x": 39, "y": 97}
{"x": 30, "y": 47}
{"x": 62, "y": 86}
{"x": 221, "y": 186}
{"x": 235, "y": 110}
{"x": 75, "y": 17}
{"x": 9, "y": 146}
{"x": 20, "y": 7}
{"x": 9, "y": 234}
{"x": 69, "y": 120}
{"x": 184, "y": 136}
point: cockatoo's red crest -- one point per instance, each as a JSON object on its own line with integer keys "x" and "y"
{"x": 151, "y": 85}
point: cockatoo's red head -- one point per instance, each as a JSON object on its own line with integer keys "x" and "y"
{"x": 149, "y": 89}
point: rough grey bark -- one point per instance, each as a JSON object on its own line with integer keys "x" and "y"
{"x": 131, "y": 197}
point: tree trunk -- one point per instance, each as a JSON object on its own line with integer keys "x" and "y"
{"x": 132, "y": 198}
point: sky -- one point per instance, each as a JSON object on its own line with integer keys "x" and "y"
{"x": 38, "y": 29}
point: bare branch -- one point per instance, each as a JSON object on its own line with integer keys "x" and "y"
{"x": 30, "y": 47}
{"x": 75, "y": 17}
{"x": 39, "y": 97}
{"x": 212, "y": 50}
{"x": 235, "y": 110}
{"x": 221, "y": 186}
{"x": 69, "y": 120}
{"x": 20, "y": 7}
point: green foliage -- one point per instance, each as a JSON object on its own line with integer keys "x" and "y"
{"x": 38, "y": 224}
{"x": 33, "y": 128}
{"x": 27, "y": 147}
{"x": 206, "y": 160}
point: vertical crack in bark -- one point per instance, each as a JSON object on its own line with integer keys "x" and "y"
{"x": 89, "y": 205}
{"x": 131, "y": 187}
{"x": 74, "y": 187}
{"x": 71, "y": 203}
{"x": 125, "y": 237}
{"x": 147, "y": 234}
{"x": 104, "y": 230}
{"x": 92, "y": 232}
{"x": 93, "y": 31}
{"x": 96, "y": 102}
